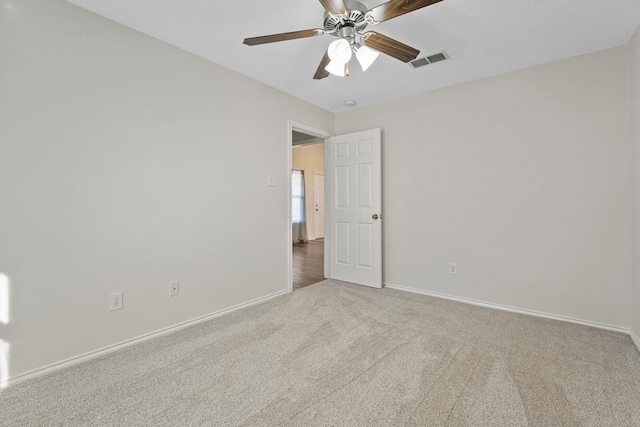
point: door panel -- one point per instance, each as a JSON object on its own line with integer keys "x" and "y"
{"x": 342, "y": 187}
{"x": 365, "y": 185}
{"x": 365, "y": 245}
{"x": 342, "y": 242}
{"x": 354, "y": 199}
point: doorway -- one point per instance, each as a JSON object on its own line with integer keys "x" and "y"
{"x": 307, "y": 192}
{"x": 307, "y": 256}
{"x": 353, "y": 217}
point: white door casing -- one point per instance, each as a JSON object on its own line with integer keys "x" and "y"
{"x": 318, "y": 204}
{"x": 354, "y": 208}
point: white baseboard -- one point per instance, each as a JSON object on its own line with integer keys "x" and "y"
{"x": 137, "y": 340}
{"x": 513, "y": 309}
{"x": 142, "y": 338}
{"x": 635, "y": 339}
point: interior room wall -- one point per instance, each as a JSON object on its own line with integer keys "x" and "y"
{"x": 522, "y": 179}
{"x": 310, "y": 159}
{"x": 127, "y": 164}
{"x": 634, "y": 50}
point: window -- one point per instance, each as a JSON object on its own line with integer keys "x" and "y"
{"x": 297, "y": 196}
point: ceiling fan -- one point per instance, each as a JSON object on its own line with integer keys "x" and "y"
{"x": 347, "y": 20}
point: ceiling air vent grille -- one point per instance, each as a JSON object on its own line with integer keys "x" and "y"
{"x": 421, "y": 62}
{"x": 437, "y": 57}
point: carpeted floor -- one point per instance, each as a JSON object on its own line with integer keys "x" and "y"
{"x": 339, "y": 354}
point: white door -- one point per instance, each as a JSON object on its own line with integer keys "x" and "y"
{"x": 318, "y": 205}
{"x": 354, "y": 208}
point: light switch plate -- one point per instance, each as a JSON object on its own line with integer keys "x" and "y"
{"x": 272, "y": 180}
{"x": 115, "y": 301}
{"x": 453, "y": 268}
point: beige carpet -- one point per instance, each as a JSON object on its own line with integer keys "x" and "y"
{"x": 338, "y": 354}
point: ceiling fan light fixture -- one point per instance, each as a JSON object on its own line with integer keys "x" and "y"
{"x": 366, "y": 56}
{"x": 339, "y": 51}
{"x": 336, "y": 68}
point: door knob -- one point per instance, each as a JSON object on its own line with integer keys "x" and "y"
{"x": 374, "y": 216}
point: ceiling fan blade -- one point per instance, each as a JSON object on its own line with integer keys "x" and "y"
{"x": 390, "y": 46}
{"x": 394, "y": 8}
{"x": 252, "y": 41}
{"x": 335, "y": 7}
{"x": 321, "y": 73}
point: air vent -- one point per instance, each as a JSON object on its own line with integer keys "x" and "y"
{"x": 437, "y": 57}
{"x": 421, "y": 62}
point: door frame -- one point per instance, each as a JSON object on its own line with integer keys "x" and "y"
{"x": 319, "y": 133}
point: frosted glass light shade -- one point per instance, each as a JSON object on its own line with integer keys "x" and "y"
{"x": 336, "y": 68}
{"x": 366, "y": 56}
{"x": 340, "y": 51}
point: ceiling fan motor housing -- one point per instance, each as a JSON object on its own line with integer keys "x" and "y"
{"x": 347, "y": 26}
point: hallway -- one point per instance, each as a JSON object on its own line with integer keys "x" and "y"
{"x": 308, "y": 263}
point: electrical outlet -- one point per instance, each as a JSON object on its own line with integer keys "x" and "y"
{"x": 453, "y": 268}
{"x": 115, "y": 301}
{"x": 175, "y": 289}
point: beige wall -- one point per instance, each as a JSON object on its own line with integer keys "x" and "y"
{"x": 310, "y": 159}
{"x": 634, "y": 50}
{"x": 127, "y": 164}
{"x": 523, "y": 179}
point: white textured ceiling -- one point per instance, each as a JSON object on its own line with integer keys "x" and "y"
{"x": 483, "y": 38}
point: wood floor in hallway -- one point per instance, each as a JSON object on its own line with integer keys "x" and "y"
{"x": 308, "y": 263}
